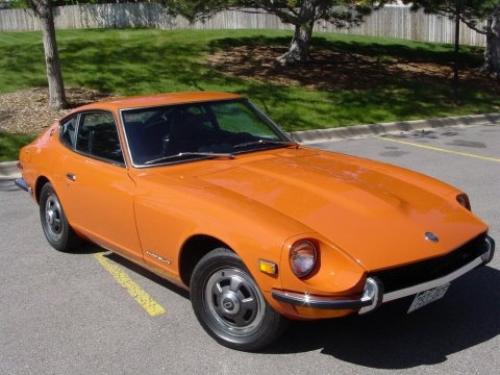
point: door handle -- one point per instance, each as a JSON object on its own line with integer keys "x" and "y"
{"x": 71, "y": 176}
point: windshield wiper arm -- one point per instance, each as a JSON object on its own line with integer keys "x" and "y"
{"x": 181, "y": 154}
{"x": 265, "y": 142}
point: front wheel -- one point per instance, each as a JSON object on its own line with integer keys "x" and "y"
{"x": 229, "y": 304}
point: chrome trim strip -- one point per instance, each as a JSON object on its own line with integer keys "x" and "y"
{"x": 265, "y": 117}
{"x": 319, "y": 302}
{"x": 21, "y": 184}
{"x": 124, "y": 131}
{"x": 373, "y": 292}
{"x": 412, "y": 290}
{"x": 368, "y": 303}
{"x": 490, "y": 253}
{"x": 158, "y": 257}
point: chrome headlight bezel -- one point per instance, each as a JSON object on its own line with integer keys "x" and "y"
{"x": 303, "y": 257}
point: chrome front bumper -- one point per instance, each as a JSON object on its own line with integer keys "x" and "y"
{"x": 373, "y": 295}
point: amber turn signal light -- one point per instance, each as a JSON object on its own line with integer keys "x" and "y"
{"x": 268, "y": 267}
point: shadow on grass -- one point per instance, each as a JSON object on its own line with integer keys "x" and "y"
{"x": 340, "y": 65}
{"x": 364, "y": 81}
{"x": 370, "y": 46}
{"x": 142, "y": 68}
{"x": 132, "y": 62}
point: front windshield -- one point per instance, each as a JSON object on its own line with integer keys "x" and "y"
{"x": 176, "y": 133}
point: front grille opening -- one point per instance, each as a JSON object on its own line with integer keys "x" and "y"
{"x": 417, "y": 273}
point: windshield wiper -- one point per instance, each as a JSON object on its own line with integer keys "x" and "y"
{"x": 181, "y": 154}
{"x": 264, "y": 142}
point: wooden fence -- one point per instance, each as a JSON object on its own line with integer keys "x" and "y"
{"x": 391, "y": 21}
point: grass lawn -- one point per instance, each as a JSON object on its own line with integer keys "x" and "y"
{"x": 142, "y": 61}
{"x": 10, "y": 145}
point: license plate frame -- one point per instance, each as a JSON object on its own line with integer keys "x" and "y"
{"x": 427, "y": 297}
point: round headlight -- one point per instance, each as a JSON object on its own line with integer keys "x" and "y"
{"x": 464, "y": 201}
{"x": 303, "y": 257}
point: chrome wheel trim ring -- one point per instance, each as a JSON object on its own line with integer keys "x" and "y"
{"x": 53, "y": 217}
{"x": 234, "y": 301}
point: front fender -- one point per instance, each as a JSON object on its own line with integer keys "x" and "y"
{"x": 169, "y": 213}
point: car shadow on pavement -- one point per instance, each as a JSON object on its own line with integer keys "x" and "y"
{"x": 90, "y": 248}
{"x": 391, "y": 339}
{"x": 87, "y": 248}
{"x": 147, "y": 274}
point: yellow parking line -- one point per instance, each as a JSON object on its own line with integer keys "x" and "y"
{"x": 152, "y": 307}
{"x": 448, "y": 151}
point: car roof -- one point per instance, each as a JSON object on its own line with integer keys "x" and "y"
{"x": 158, "y": 100}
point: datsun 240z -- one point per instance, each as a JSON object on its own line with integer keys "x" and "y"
{"x": 206, "y": 191}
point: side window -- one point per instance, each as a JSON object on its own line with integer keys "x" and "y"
{"x": 68, "y": 132}
{"x": 97, "y": 136}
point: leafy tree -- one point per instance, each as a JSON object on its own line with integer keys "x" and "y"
{"x": 302, "y": 14}
{"x": 43, "y": 10}
{"x": 195, "y": 10}
{"x": 482, "y": 16}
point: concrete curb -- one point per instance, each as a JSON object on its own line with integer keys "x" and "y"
{"x": 9, "y": 171}
{"x": 335, "y": 134}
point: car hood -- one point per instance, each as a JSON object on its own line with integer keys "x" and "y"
{"x": 376, "y": 213}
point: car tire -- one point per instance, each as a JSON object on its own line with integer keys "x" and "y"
{"x": 55, "y": 226}
{"x": 229, "y": 304}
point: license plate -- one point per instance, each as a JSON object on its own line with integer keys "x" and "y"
{"x": 424, "y": 298}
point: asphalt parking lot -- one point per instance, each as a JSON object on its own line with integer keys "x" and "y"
{"x": 67, "y": 314}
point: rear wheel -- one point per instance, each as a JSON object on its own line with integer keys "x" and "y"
{"x": 54, "y": 223}
{"x": 229, "y": 304}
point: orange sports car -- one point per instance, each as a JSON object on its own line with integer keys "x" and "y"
{"x": 206, "y": 191}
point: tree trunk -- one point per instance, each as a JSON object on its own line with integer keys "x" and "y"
{"x": 456, "y": 65}
{"x": 492, "y": 53}
{"x": 298, "y": 52}
{"x": 57, "y": 98}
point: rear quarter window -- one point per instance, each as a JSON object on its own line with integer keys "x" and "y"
{"x": 68, "y": 132}
{"x": 98, "y": 136}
